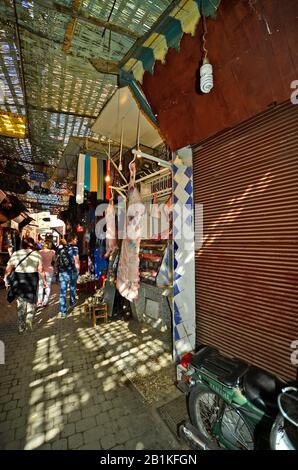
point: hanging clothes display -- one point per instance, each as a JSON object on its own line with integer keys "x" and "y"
{"x": 108, "y": 191}
{"x": 87, "y": 173}
{"x": 100, "y": 180}
{"x": 128, "y": 277}
{"x": 90, "y": 177}
{"x": 100, "y": 263}
{"x": 93, "y": 174}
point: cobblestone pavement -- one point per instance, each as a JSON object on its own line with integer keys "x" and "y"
{"x": 63, "y": 386}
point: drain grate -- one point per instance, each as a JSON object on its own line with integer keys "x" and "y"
{"x": 173, "y": 413}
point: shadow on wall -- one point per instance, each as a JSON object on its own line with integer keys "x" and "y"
{"x": 235, "y": 207}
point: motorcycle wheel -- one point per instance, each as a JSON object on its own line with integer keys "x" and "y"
{"x": 206, "y": 408}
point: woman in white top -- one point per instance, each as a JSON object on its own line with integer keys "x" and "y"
{"x": 26, "y": 264}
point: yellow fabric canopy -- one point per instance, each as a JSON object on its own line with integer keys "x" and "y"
{"x": 12, "y": 125}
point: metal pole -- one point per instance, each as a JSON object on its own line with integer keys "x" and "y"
{"x": 154, "y": 159}
{"x": 22, "y": 69}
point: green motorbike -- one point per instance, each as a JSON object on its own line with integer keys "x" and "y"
{"x": 233, "y": 405}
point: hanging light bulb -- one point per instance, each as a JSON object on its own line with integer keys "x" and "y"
{"x": 206, "y": 76}
{"x": 206, "y": 71}
{"x": 107, "y": 179}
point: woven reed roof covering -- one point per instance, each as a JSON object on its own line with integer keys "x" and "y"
{"x": 64, "y": 54}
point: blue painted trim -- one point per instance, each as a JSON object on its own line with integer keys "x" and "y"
{"x": 87, "y": 173}
{"x": 127, "y": 79}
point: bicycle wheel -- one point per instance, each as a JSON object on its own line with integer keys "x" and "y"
{"x": 204, "y": 410}
{"x": 207, "y": 408}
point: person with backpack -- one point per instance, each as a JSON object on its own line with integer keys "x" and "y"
{"x": 68, "y": 264}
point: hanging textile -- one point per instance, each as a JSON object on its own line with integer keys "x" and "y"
{"x": 128, "y": 277}
{"x": 80, "y": 179}
{"x": 111, "y": 229}
{"x": 87, "y": 173}
{"x": 100, "y": 179}
{"x": 100, "y": 263}
{"x": 93, "y": 174}
{"x": 108, "y": 191}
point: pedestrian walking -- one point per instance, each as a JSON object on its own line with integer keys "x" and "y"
{"x": 22, "y": 278}
{"x": 69, "y": 267}
{"x": 48, "y": 261}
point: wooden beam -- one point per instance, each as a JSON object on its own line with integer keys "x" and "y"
{"x": 60, "y": 111}
{"x": 84, "y": 17}
{"x": 70, "y": 27}
{"x": 110, "y": 67}
{"x": 22, "y": 70}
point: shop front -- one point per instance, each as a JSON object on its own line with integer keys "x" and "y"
{"x": 246, "y": 270}
{"x": 241, "y": 177}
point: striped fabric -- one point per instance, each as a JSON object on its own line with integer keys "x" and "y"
{"x": 87, "y": 173}
{"x": 90, "y": 177}
{"x": 93, "y": 174}
{"x": 183, "y": 19}
{"x": 100, "y": 176}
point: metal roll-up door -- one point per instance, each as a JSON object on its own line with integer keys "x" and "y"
{"x": 247, "y": 268}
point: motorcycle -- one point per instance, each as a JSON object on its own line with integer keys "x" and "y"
{"x": 233, "y": 405}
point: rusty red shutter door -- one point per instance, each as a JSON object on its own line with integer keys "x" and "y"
{"x": 247, "y": 269}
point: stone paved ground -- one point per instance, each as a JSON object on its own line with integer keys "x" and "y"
{"x": 63, "y": 385}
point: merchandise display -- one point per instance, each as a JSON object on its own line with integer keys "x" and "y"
{"x": 152, "y": 254}
{"x": 128, "y": 270}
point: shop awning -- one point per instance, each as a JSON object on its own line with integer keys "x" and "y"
{"x": 123, "y": 110}
{"x": 183, "y": 19}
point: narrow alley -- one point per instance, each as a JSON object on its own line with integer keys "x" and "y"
{"x": 148, "y": 229}
{"x": 63, "y": 385}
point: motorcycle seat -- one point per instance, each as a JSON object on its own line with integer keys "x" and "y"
{"x": 227, "y": 370}
{"x": 262, "y": 389}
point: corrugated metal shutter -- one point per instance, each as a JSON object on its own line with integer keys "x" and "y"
{"x": 246, "y": 270}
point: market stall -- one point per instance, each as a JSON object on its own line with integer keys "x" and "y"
{"x": 135, "y": 198}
